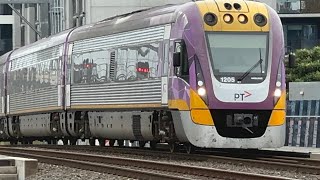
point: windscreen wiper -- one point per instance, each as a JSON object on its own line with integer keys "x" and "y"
{"x": 252, "y": 68}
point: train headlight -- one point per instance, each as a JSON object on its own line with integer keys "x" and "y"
{"x": 227, "y": 6}
{"x": 228, "y": 18}
{"x": 200, "y": 83}
{"x": 260, "y": 19}
{"x": 202, "y": 91}
{"x": 278, "y": 84}
{"x": 242, "y": 19}
{"x": 210, "y": 19}
{"x": 277, "y": 93}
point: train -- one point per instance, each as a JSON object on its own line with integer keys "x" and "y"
{"x": 207, "y": 74}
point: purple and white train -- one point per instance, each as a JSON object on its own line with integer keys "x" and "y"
{"x": 207, "y": 74}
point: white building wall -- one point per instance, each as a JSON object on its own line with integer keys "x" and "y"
{"x": 271, "y": 3}
{"x": 6, "y": 19}
{"x": 97, "y": 10}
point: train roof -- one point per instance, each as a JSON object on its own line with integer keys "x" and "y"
{"x": 42, "y": 44}
{"x": 126, "y": 22}
{"x": 4, "y": 57}
{"x": 120, "y": 23}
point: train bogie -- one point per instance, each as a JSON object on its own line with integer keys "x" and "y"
{"x": 122, "y": 125}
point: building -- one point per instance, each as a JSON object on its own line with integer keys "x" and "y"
{"x": 301, "y": 21}
{"x": 70, "y": 13}
{"x": 6, "y": 21}
{"x": 301, "y": 18}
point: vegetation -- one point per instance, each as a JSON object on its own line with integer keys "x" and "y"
{"x": 307, "y": 66}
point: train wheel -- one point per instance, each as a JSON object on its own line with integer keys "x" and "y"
{"x": 30, "y": 142}
{"x": 65, "y": 141}
{"x": 120, "y": 143}
{"x": 153, "y": 144}
{"x": 73, "y": 142}
{"x": 173, "y": 147}
{"x": 102, "y": 142}
{"x": 13, "y": 142}
{"x": 92, "y": 142}
{"x": 49, "y": 142}
{"x": 54, "y": 141}
{"x": 189, "y": 148}
{"x": 111, "y": 142}
{"x": 142, "y": 144}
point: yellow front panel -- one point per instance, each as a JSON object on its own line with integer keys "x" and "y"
{"x": 281, "y": 104}
{"x": 202, "y": 117}
{"x": 212, "y": 7}
{"x": 277, "y": 118}
{"x": 179, "y": 104}
{"x": 203, "y": 8}
{"x": 196, "y": 102}
{"x": 248, "y": 8}
{"x": 220, "y": 4}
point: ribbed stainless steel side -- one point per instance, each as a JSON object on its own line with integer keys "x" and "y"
{"x": 33, "y": 100}
{"x": 153, "y": 34}
{"x": 148, "y": 91}
{"x": 35, "y": 58}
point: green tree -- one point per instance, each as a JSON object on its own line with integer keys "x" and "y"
{"x": 307, "y": 66}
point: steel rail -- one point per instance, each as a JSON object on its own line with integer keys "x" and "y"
{"x": 96, "y": 162}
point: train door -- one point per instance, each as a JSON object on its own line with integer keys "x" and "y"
{"x": 165, "y": 65}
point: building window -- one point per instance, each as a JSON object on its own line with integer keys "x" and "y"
{"x": 5, "y": 38}
{"x": 301, "y": 36}
{"x": 78, "y": 13}
{"x": 298, "y": 6}
{"x": 5, "y": 10}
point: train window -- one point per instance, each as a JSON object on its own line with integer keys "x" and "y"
{"x": 91, "y": 67}
{"x": 182, "y": 70}
{"x": 130, "y": 58}
{"x": 233, "y": 59}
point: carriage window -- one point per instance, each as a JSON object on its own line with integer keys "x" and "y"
{"x": 91, "y": 67}
{"x": 137, "y": 62}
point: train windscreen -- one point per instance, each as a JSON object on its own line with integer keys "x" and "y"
{"x": 239, "y": 57}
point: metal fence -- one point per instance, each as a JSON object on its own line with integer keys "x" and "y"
{"x": 303, "y": 123}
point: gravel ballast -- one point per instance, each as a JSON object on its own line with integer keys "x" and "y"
{"x": 208, "y": 164}
{"x": 54, "y": 172}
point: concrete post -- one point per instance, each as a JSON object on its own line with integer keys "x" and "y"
{"x": 30, "y": 15}
{"x": 69, "y": 14}
{"x": 44, "y": 20}
{"x": 16, "y": 29}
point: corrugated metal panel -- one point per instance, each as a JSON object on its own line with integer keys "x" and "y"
{"x": 134, "y": 37}
{"x": 117, "y": 93}
{"x": 303, "y": 123}
{"x": 42, "y": 98}
{"x": 35, "y": 58}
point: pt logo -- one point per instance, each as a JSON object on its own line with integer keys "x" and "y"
{"x": 241, "y": 96}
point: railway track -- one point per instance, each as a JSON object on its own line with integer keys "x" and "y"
{"x": 296, "y": 164}
{"x": 133, "y": 168}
